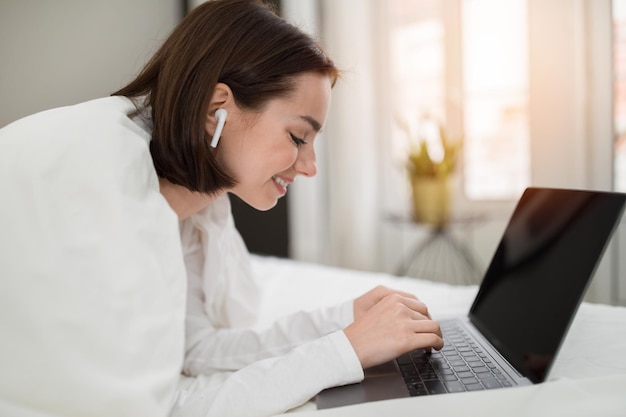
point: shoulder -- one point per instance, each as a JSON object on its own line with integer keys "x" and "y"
{"x": 90, "y": 121}
{"x": 98, "y": 111}
{"x": 101, "y": 137}
{"x": 83, "y": 222}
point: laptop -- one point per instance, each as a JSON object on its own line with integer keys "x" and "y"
{"x": 529, "y": 295}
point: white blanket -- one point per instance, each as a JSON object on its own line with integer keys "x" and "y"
{"x": 588, "y": 377}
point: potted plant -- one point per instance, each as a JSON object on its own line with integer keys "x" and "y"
{"x": 429, "y": 175}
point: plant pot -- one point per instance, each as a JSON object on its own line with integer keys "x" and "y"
{"x": 431, "y": 199}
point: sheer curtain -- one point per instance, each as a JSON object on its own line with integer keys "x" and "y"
{"x": 334, "y": 216}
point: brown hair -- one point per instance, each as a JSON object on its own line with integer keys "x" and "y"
{"x": 241, "y": 43}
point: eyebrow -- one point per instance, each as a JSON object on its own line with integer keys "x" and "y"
{"x": 315, "y": 125}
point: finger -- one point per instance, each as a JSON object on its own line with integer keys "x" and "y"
{"x": 407, "y": 295}
{"x": 427, "y": 326}
{"x": 385, "y": 291}
{"x": 429, "y": 341}
{"x": 428, "y": 334}
{"x": 417, "y": 306}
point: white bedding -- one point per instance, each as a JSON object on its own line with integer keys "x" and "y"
{"x": 588, "y": 378}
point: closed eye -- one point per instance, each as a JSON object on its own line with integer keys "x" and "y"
{"x": 299, "y": 142}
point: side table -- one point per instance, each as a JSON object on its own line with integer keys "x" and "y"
{"x": 440, "y": 256}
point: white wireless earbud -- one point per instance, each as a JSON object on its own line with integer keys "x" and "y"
{"x": 220, "y": 115}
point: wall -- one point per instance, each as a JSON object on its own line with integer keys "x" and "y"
{"x": 65, "y": 51}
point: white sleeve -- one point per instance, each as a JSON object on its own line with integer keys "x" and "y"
{"x": 272, "y": 386}
{"x": 223, "y": 299}
{"x": 210, "y": 349}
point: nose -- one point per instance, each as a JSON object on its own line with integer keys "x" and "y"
{"x": 305, "y": 162}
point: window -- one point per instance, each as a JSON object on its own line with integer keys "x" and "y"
{"x": 465, "y": 62}
{"x": 417, "y": 66}
{"x": 495, "y": 98}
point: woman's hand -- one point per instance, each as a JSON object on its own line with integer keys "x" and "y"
{"x": 393, "y": 325}
{"x": 372, "y": 297}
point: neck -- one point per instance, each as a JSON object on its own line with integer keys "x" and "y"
{"x": 184, "y": 201}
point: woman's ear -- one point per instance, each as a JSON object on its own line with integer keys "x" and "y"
{"x": 222, "y": 98}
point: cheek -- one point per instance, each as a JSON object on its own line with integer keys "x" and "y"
{"x": 290, "y": 156}
{"x": 259, "y": 167}
{"x": 261, "y": 154}
{"x": 279, "y": 157}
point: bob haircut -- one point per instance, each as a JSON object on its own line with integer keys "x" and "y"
{"x": 241, "y": 43}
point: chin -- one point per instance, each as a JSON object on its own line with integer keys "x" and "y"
{"x": 263, "y": 205}
{"x": 262, "y": 200}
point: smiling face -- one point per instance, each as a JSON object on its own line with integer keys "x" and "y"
{"x": 265, "y": 152}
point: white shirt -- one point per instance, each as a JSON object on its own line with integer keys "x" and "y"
{"x": 308, "y": 349}
{"x": 93, "y": 287}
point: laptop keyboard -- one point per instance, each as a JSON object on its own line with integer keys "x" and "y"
{"x": 460, "y": 366}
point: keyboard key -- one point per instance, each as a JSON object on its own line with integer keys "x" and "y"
{"x": 435, "y": 387}
{"x": 468, "y": 381}
{"x": 437, "y": 366}
{"x": 420, "y": 361}
{"x": 404, "y": 359}
{"x": 454, "y": 387}
{"x": 416, "y": 386}
{"x": 418, "y": 353}
{"x": 408, "y": 370}
{"x": 474, "y": 387}
{"x": 417, "y": 392}
{"x": 491, "y": 383}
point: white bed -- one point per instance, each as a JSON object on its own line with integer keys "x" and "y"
{"x": 588, "y": 378}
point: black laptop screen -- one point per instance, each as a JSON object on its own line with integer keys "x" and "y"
{"x": 540, "y": 271}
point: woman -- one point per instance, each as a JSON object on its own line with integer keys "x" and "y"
{"x": 111, "y": 205}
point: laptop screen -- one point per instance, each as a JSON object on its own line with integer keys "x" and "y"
{"x": 540, "y": 271}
